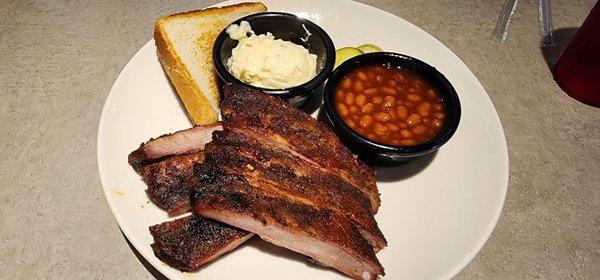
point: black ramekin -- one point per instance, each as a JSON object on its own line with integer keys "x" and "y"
{"x": 287, "y": 27}
{"x": 387, "y": 155}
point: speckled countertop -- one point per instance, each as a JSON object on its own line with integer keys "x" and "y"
{"x": 59, "y": 59}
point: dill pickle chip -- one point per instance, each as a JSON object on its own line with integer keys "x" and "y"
{"x": 344, "y": 54}
{"x": 369, "y": 48}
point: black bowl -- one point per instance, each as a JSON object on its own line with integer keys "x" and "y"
{"x": 387, "y": 155}
{"x": 287, "y": 27}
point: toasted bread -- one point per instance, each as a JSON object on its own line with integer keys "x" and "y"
{"x": 184, "y": 45}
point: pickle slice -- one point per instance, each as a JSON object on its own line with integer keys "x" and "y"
{"x": 344, "y": 54}
{"x": 369, "y": 48}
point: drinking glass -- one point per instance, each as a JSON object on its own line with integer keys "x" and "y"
{"x": 577, "y": 71}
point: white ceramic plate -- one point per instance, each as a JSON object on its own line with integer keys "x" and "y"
{"x": 436, "y": 213}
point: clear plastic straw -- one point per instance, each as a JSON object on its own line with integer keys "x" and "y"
{"x": 546, "y": 23}
{"x": 501, "y": 29}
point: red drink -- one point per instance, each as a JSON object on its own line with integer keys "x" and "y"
{"x": 577, "y": 71}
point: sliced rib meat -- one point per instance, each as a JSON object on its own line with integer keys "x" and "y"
{"x": 262, "y": 116}
{"x": 262, "y": 166}
{"x": 189, "y": 242}
{"x": 186, "y": 141}
{"x": 273, "y": 171}
{"x": 322, "y": 234}
{"x": 166, "y": 178}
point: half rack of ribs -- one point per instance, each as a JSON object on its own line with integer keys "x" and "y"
{"x": 271, "y": 170}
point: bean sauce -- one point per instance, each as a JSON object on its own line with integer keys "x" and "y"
{"x": 390, "y": 105}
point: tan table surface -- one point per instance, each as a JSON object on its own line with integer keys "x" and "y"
{"x": 58, "y": 60}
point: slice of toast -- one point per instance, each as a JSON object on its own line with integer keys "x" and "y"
{"x": 184, "y": 44}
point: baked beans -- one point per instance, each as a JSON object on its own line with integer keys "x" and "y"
{"x": 390, "y": 105}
